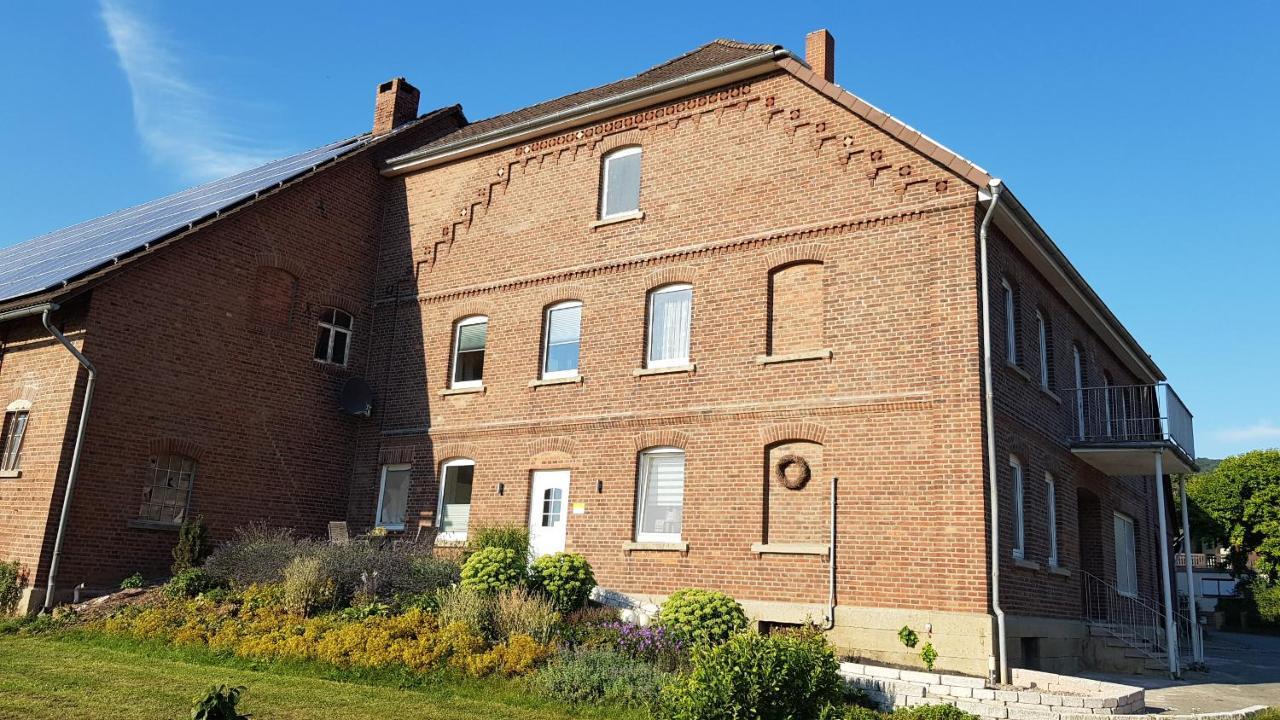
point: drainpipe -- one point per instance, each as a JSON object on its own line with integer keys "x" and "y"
{"x": 831, "y": 562}
{"x": 994, "y": 188}
{"x": 1170, "y": 630}
{"x": 75, "y": 453}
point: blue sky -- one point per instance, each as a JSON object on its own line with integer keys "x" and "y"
{"x": 1141, "y": 135}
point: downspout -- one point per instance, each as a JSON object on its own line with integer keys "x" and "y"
{"x": 831, "y": 562}
{"x": 75, "y": 454}
{"x": 994, "y": 187}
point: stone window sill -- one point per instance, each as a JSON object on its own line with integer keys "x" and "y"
{"x": 1026, "y": 564}
{"x": 619, "y": 218}
{"x": 824, "y": 354}
{"x": 790, "y": 549}
{"x": 1052, "y": 395}
{"x": 1059, "y": 570}
{"x": 682, "y": 547}
{"x": 575, "y": 380}
{"x": 10, "y": 474}
{"x": 1019, "y": 371}
{"x": 143, "y": 524}
{"x": 462, "y": 391}
{"x": 640, "y": 372}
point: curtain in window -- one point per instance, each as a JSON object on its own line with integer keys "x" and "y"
{"x": 564, "y": 329}
{"x": 669, "y": 325}
{"x": 469, "y": 359}
{"x": 1019, "y": 524}
{"x": 662, "y": 495}
{"x": 1126, "y": 556}
{"x": 395, "y": 497}
{"x": 455, "y": 511}
{"x": 622, "y": 183}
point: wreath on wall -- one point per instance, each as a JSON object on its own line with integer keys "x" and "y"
{"x": 798, "y": 479}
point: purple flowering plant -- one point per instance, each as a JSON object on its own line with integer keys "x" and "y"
{"x": 652, "y": 644}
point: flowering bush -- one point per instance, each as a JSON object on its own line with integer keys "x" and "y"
{"x": 591, "y": 676}
{"x": 653, "y": 644}
{"x": 702, "y": 616}
{"x": 492, "y": 569}
{"x": 565, "y": 577}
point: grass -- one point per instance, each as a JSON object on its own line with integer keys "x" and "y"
{"x": 85, "y": 675}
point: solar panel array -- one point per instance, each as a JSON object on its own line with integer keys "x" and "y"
{"x": 50, "y": 260}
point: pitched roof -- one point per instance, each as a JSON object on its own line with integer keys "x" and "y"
{"x": 713, "y": 54}
{"x": 55, "y": 259}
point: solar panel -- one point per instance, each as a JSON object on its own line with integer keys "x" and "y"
{"x": 49, "y": 260}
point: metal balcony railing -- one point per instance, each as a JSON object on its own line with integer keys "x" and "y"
{"x": 1202, "y": 561}
{"x": 1131, "y": 414}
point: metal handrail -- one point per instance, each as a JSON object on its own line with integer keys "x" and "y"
{"x": 1131, "y": 413}
{"x": 1131, "y": 620}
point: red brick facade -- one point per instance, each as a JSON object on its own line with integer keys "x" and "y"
{"x": 835, "y": 317}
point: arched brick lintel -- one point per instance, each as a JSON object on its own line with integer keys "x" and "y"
{"x": 661, "y": 438}
{"x": 812, "y": 432}
{"x": 450, "y": 450}
{"x": 175, "y": 446}
{"x": 812, "y": 252}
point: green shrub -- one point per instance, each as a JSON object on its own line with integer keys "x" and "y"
{"x": 133, "y": 582}
{"x": 928, "y": 655}
{"x": 193, "y": 545}
{"x": 932, "y": 712}
{"x": 306, "y": 588}
{"x": 512, "y": 537}
{"x": 1266, "y": 598}
{"x": 493, "y": 569}
{"x": 12, "y": 579}
{"x": 697, "y": 617}
{"x": 470, "y": 608}
{"x": 908, "y": 636}
{"x": 520, "y": 612}
{"x": 594, "y": 676}
{"x": 858, "y": 712}
{"x": 566, "y": 578}
{"x": 189, "y": 583}
{"x": 258, "y": 555}
{"x": 791, "y": 674}
{"x": 218, "y": 703}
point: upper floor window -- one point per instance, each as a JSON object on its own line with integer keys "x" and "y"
{"x": 15, "y": 427}
{"x": 166, "y": 494}
{"x": 1108, "y": 397}
{"x": 454, "y": 511}
{"x": 1077, "y": 363}
{"x": 660, "y": 495}
{"x": 1010, "y": 323}
{"x": 333, "y": 342}
{"x": 1046, "y": 345}
{"x": 795, "y": 308}
{"x": 1051, "y": 506}
{"x": 670, "y": 312}
{"x": 470, "y": 336}
{"x": 393, "y": 496}
{"x": 1019, "y": 521}
{"x": 620, "y": 182}
{"x": 562, "y": 336}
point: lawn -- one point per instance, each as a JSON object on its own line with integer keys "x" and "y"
{"x": 62, "y": 676}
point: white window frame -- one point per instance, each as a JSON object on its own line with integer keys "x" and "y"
{"x": 1124, "y": 588}
{"x": 1051, "y": 508}
{"x": 650, "y": 362}
{"x": 20, "y": 410}
{"x": 444, "y": 467}
{"x": 382, "y": 490}
{"x": 1019, "y": 518}
{"x": 1044, "y": 350}
{"x": 454, "y": 382}
{"x": 604, "y": 180}
{"x": 1107, "y": 382}
{"x": 1077, "y": 357}
{"x": 640, "y": 493}
{"x": 546, "y": 341}
{"x": 334, "y": 330}
{"x": 1010, "y": 324}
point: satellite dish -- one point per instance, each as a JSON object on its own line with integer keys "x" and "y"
{"x": 356, "y": 397}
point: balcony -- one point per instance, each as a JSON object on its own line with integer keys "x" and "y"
{"x": 1119, "y": 428}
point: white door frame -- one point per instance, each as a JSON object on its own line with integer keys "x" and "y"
{"x": 545, "y": 540}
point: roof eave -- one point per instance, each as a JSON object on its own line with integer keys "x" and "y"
{"x": 741, "y": 69}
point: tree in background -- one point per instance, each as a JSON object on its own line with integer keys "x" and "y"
{"x": 1238, "y": 505}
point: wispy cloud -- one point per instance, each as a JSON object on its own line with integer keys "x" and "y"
{"x": 1261, "y": 431}
{"x": 173, "y": 117}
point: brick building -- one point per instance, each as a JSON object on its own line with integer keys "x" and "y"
{"x": 718, "y": 324}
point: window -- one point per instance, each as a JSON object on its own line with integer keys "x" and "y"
{"x": 393, "y": 496}
{"x": 1106, "y": 402}
{"x": 795, "y": 308}
{"x": 468, "y": 351}
{"x": 334, "y": 339}
{"x": 620, "y": 182}
{"x": 1046, "y": 371}
{"x": 167, "y": 492}
{"x": 670, "y": 308}
{"x": 1010, "y": 323}
{"x": 1051, "y": 505}
{"x": 552, "y": 506}
{"x": 660, "y": 496}
{"x": 1019, "y": 522}
{"x": 15, "y": 427}
{"x": 1077, "y": 360}
{"x": 1126, "y": 556}
{"x": 562, "y": 336}
{"x": 454, "y": 511}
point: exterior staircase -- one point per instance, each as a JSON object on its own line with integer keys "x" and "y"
{"x": 1127, "y": 633}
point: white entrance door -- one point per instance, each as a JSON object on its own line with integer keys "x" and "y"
{"x": 548, "y": 511}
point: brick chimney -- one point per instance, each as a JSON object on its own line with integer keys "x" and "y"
{"x": 397, "y": 104}
{"x": 820, "y": 54}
